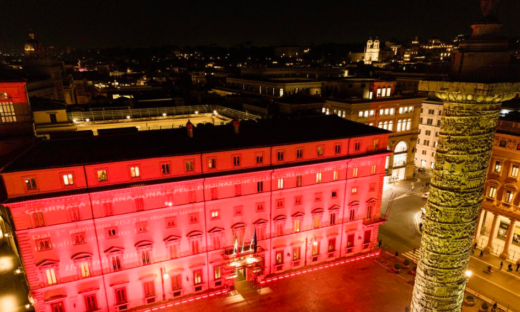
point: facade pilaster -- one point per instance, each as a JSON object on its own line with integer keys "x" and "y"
{"x": 492, "y": 233}
{"x": 509, "y": 238}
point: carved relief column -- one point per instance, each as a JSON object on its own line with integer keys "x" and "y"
{"x": 492, "y": 233}
{"x": 509, "y": 238}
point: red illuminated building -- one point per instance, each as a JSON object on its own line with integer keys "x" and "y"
{"x": 109, "y": 223}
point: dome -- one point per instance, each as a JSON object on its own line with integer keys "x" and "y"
{"x": 32, "y": 46}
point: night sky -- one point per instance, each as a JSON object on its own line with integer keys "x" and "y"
{"x": 143, "y": 23}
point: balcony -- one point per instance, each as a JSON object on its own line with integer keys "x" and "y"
{"x": 374, "y": 221}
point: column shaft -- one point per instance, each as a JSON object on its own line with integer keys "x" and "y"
{"x": 509, "y": 238}
{"x": 492, "y": 233}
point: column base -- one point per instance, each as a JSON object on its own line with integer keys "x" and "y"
{"x": 487, "y": 249}
{"x": 503, "y": 255}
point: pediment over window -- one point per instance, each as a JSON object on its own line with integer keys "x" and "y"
{"x": 280, "y": 218}
{"x": 371, "y": 200}
{"x": 114, "y": 250}
{"x": 298, "y": 214}
{"x": 238, "y": 226}
{"x": 260, "y": 222}
{"x": 47, "y": 263}
{"x": 144, "y": 244}
{"x": 334, "y": 208}
{"x": 216, "y": 230}
{"x": 172, "y": 239}
{"x": 317, "y": 211}
{"x": 81, "y": 256}
{"x": 354, "y": 204}
{"x": 194, "y": 234}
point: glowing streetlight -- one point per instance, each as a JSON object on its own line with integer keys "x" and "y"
{"x": 164, "y": 114}
{"x": 127, "y": 117}
{"x": 468, "y": 273}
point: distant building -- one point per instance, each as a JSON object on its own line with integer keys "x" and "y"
{"x": 372, "y": 51}
{"x": 429, "y": 127}
{"x": 275, "y": 87}
{"x": 289, "y": 51}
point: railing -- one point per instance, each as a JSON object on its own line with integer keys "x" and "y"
{"x": 123, "y": 114}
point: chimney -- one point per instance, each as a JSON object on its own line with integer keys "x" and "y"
{"x": 236, "y": 125}
{"x": 189, "y": 127}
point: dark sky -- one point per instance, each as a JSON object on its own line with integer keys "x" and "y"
{"x": 142, "y": 23}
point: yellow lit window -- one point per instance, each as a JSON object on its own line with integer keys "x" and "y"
{"x": 68, "y": 179}
{"x": 134, "y": 172}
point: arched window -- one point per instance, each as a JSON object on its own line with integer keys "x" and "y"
{"x": 401, "y": 147}
{"x": 144, "y": 250}
{"x": 399, "y": 126}
{"x": 390, "y": 125}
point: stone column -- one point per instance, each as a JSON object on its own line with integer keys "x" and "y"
{"x": 509, "y": 238}
{"x": 479, "y": 220}
{"x": 492, "y": 233}
{"x": 468, "y": 123}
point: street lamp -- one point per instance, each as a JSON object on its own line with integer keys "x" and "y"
{"x": 468, "y": 273}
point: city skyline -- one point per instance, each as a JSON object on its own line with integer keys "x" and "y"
{"x": 63, "y": 24}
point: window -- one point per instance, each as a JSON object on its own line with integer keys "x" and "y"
{"x": 376, "y": 143}
{"x": 429, "y": 121}
{"x": 332, "y": 245}
{"x": 112, "y": 232}
{"x": 7, "y": 112}
{"x": 374, "y": 169}
{"x": 316, "y": 220}
{"x": 315, "y": 248}
{"x": 337, "y": 149}
{"x": 197, "y": 277}
{"x": 214, "y": 193}
{"x": 145, "y": 257}
{"x": 431, "y": 112}
{"x": 352, "y": 215}
{"x": 299, "y": 179}
{"x": 78, "y": 238}
{"x": 297, "y": 225}
{"x": 165, "y": 168}
{"x": 50, "y": 276}
{"x": 360, "y": 114}
{"x": 171, "y": 222}
{"x": 238, "y": 210}
{"x": 68, "y": 179}
{"x": 57, "y": 307}
{"x": 189, "y": 165}
{"x": 192, "y": 196}
{"x": 259, "y": 207}
{"x": 116, "y": 263}
{"x": 424, "y": 152}
{"x": 193, "y": 217}
{"x": 149, "y": 289}
{"x": 357, "y": 146}
{"x": 280, "y": 183}
{"x": 30, "y": 184}
{"x": 492, "y": 191}
{"x": 427, "y": 132}
{"x": 354, "y": 172}
{"x": 319, "y": 151}
{"x": 74, "y": 214}
{"x": 121, "y": 295}
{"x": 317, "y": 197}
{"x": 498, "y": 166}
{"x": 217, "y": 272}
{"x": 296, "y": 251}
{"x": 259, "y": 158}
{"x": 514, "y": 171}
{"x": 372, "y": 187}
{"x": 90, "y": 303}
{"x": 108, "y": 208}
{"x": 369, "y": 211}
{"x": 102, "y": 175}
{"x": 299, "y": 153}
{"x": 215, "y": 214}
{"x": 141, "y": 227}
{"x": 332, "y": 218}
{"x": 212, "y": 163}
{"x": 435, "y": 144}
{"x": 280, "y": 155}
{"x": 279, "y": 228}
{"x": 279, "y": 257}
{"x": 297, "y": 200}
{"x": 259, "y": 186}
{"x": 318, "y": 177}
{"x": 236, "y": 161}
{"x": 139, "y": 204}
{"x": 438, "y": 123}
{"x": 43, "y": 244}
{"x": 354, "y": 190}
{"x": 194, "y": 244}
{"x": 335, "y": 175}
{"x": 38, "y": 219}
{"x": 173, "y": 250}
{"x": 84, "y": 269}
{"x": 134, "y": 172}
{"x": 280, "y": 203}
{"x": 176, "y": 282}
{"x": 334, "y": 194}
{"x": 216, "y": 241}
{"x": 508, "y": 196}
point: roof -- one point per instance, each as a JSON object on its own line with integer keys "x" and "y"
{"x": 300, "y": 98}
{"x": 39, "y": 104}
{"x": 175, "y": 142}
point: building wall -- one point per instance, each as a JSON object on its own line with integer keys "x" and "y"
{"x": 202, "y": 216}
{"x": 429, "y": 126}
{"x": 275, "y": 88}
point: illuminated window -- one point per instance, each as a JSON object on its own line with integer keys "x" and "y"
{"x": 84, "y": 269}
{"x": 7, "y": 112}
{"x": 30, "y": 184}
{"x": 360, "y": 114}
{"x": 318, "y": 177}
{"x": 279, "y": 257}
{"x": 299, "y": 179}
{"x": 296, "y": 253}
{"x": 374, "y": 169}
{"x": 38, "y": 219}
{"x": 165, "y": 169}
{"x": 332, "y": 245}
{"x": 319, "y": 151}
{"x": 214, "y": 214}
{"x": 498, "y": 166}
{"x": 316, "y": 220}
{"x": 236, "y": 161}
{"x": 335, "y": 175}
{"x": 197, "y": 277}
{"x": 217, "y": 272}
{"x": 315, "y": 248}
{"x": 337, "y": 149}
{"x": 43, "y": 244}
{"x": 134, "y": 172}
{"x": 189, "y": 165}
{"x": 102, "y": 175}
{"x": 296, "y": 226}
{"x": 354, "y": 172}
{"x": 508, "y": 196}
{"x": 354, "y": 190}
{"x": 376, "y": 143}
{"x": 280, "y": 183}
{"x": 112, "y": 232}
{"x": 212, "y": 163}
{"x": 492, "y": 191}
{"x": 68, "y": 179}
{"x": 514, "y": 171}
{"x": 390, "y": 125}
{"x": 299, "y": 153}
{"x": 50, "y": 276}
{"x": 357, "y": 146}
